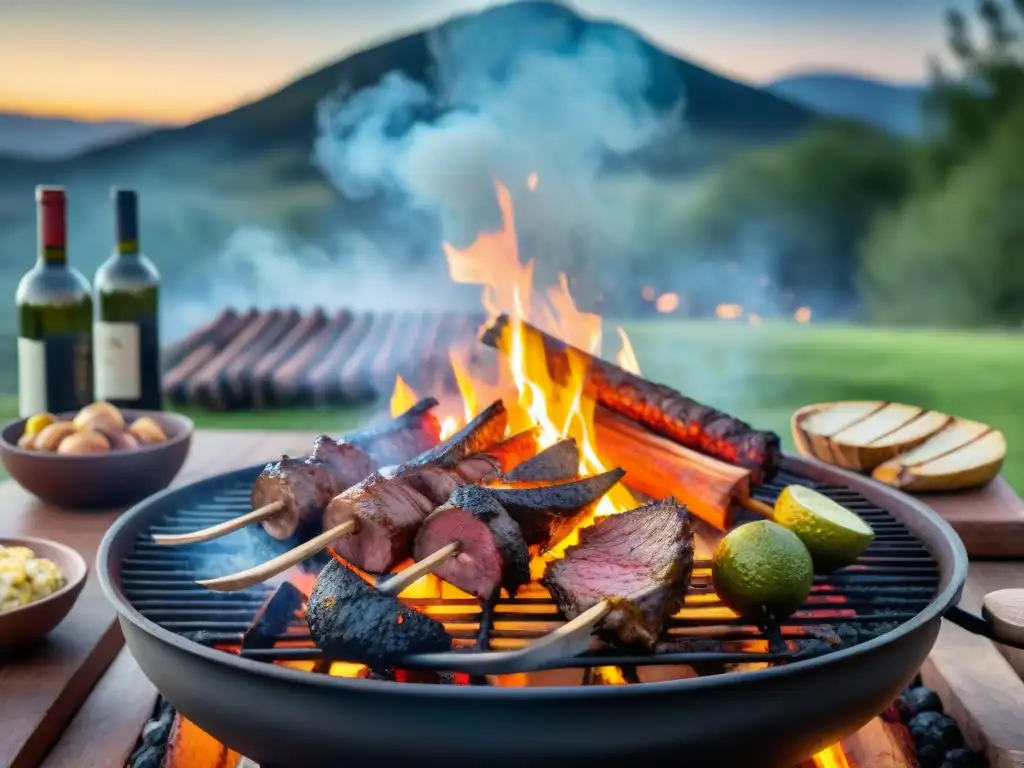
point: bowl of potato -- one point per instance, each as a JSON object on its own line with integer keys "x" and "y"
{"x": 98, "y": 458}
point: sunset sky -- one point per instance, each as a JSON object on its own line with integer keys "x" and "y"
{"x": 179, "y": 60}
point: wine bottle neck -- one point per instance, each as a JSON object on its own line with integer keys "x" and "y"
{"x": 126, "y": 222}
{"x": 52, "y": 216}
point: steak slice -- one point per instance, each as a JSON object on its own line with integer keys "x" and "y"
{"x": 492, "y": 551}
{"x": 351, "y": 621}
{"x": 640, "y": 561}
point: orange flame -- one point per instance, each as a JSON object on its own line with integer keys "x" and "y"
{"x": 833, "y": 757}
{"x": 403, "y": 398}
{"x": 627, "y": 357}
{"x": 562, "y": 409}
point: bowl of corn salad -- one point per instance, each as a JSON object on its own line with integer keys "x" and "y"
{"x": 40, "y": 580}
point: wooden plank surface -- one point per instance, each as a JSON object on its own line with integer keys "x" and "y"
{"x": 989, "y": 520}
{"x": 41, "y": 688}
{"x": 976, "y": 683}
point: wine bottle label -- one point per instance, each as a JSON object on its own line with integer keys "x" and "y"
{"x": 118, "y": 361}
{"x": 31, "y": 377}
{"x": 54, "y": 374}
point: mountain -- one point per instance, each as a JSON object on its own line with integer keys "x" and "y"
{"x": 49, "y": 138}
{"x": 895, "y": 107}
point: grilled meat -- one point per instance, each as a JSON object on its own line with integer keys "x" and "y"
{"x": 639, "y": 560}
{"x": 307, "y": 485}
{"x": 658, "y": 407}
{"x": 547, "y": 514}
{"x": 391, "y": 509}
{"x": 554, "y": 464}
{"x": 408, "y": 434}
{"x": 492, "y": 553}
{"x": 351, "y": 621}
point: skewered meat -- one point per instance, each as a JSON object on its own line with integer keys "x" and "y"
{"x": 305, "y": 486}
{"x": 399, "y": 439}
{"x": 656, "y": 406}
{"x": 558, "y": 462}
{"x": 350, "y": 620}
{"x": 639, "y": 560}
{"x": 492, "y": 554}
{"x": 390, "y": 510}
{"x": 549, "y": 513}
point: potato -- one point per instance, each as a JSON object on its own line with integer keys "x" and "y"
{"x": 86, "y": 441}
{"x": 120, "y": 439}
{"x": 51, "y": 437}
{"x": 147, "y": 431}
{"x": 102, "y": 414}
{"x": 27, "y": 441}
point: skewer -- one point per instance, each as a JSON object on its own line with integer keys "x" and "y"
{"x": 244, "y": 579}
{"x": 221, "y": 529}
{"x": 418, "y": 570}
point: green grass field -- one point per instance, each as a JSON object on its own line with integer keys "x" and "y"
{"x": 763, "y": 374}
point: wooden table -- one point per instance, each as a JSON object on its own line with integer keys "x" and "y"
{"x": 42, "y": 690}
{"x": 81, "y": 701}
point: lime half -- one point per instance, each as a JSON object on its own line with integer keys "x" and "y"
{"x": 833, "y": 535}
{"x": 762, "y": 571}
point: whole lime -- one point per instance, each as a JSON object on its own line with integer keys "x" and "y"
{"x": 762, "y": 571}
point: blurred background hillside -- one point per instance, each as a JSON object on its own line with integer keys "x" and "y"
{"x": 849, "y": 198}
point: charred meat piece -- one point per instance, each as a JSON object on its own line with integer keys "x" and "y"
{"x": 639, "y": 560}
{"x": 351, "y": 621}
{"x": 554, "y": 464}
{"x": 492, "y": 552}
{"x": 437, "y": 481}
{"x": 658, "y": 407}
{"x": 486, "y": 429}
{"x": 306, "y": 486}
{"x": 407, "y": 435}
{"x": 389, "y": 510}
{"x": 547, "y": 514}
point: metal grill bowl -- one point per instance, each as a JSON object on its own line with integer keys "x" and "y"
{"x": 773, "y": 717}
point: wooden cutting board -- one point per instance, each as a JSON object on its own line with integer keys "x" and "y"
{"x": 989, "y": 520}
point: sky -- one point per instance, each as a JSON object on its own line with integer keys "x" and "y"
{"x": 175, "y": 61}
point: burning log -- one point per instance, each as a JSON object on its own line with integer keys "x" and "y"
{"x": 274, "y": 617}
{"x": 658, "y": 467}
{"x": 656, "y": 406}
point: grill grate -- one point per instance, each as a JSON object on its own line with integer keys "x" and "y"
{"x": 888, "y": 585}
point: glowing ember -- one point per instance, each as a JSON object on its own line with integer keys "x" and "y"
{"x": 627, "y": 357}
{"x": 729, "y": 311}
{"x": 647, "y": 293}
{"x": 666, "y": 303}
{"x": 802, "y": 315}
{"x": 833, "y": 757}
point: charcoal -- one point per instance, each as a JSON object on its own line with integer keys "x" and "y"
{"x": 961, "y": 758}
{"x": 935, "y": 729}
{"x": 149, "y": 752}
{"x": 914, "y": 701}
{"x": 930, "y": 755}
{"x": 274, "y": 617}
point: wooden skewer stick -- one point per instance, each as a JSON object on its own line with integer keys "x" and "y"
{"x": 243, "y": 579}
{"x": 758, "y": 507}
{"x": 419, "y": 569}
{"x": 221, "y": 529}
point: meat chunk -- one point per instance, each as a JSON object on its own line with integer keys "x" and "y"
{"x": 640, "y": 561}
{"x": 345, "y": 461}
{"x": 408, "y": 434}
{"x": 548, "y": 513}
{"x": 303, "y": 487}
{"x": 492, "y": 552}
{"x": 351, "y": 621}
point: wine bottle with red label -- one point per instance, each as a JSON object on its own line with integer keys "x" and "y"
{"x": 54, "y": 305}
{"x": 126, "y": 335}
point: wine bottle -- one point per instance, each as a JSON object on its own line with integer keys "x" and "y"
{"x": 125, "y": 334}
{"x": 54, "y": 320}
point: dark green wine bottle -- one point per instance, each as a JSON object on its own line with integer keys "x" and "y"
{"x": 54, "y": 320}
{"x": 126, "y": 332}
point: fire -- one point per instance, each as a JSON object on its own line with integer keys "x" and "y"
{"x": 533, "y": 398}
{"x": 403, "y": 398}
{"x": 627, "y": 357}
{"x": 833, "y": 757}
{"x": 729, "y": 311}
